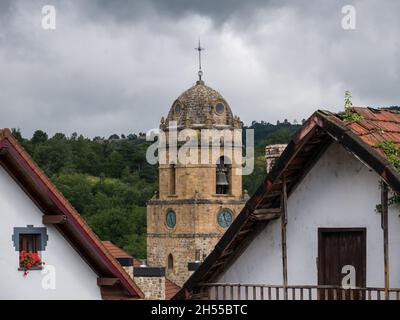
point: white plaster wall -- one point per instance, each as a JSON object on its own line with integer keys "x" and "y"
{"x": 339, "y": 191}
{"x": 261, "y": 262}
{"x": 74, "y": 278}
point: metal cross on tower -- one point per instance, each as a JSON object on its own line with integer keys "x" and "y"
{"x": 199, "y": 49}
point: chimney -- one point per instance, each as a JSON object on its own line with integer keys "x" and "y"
{"x": 192, "y": 266}
{"x": 151, "y": 280}
{"x": 272, "y": 153}
{"x": 143, "y": 263}
{"x": 197, "y": 255}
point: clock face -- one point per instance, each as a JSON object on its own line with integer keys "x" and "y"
{"x": 225, "y": 218}
{"x": 171, "y": 219}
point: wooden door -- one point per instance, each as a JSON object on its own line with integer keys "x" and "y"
{"x": 338, "y": 248}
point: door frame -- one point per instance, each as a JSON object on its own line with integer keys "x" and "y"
{"x": 321, "y": 231}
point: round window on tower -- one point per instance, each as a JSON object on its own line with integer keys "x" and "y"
{"x": 177, "y": 108}
{"x": 219, "y": 108}
{"x": 225, "y": 218}
{"x": 170, "y": 219}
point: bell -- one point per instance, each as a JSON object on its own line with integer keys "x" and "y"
{"x": 221, "y": 179}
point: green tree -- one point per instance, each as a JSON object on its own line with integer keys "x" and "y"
{"x": 124, "y": 227}
{"x": 115, "y": 164}
{"x": 77, "y": 188}
{"x": 39, "y": 136}
{"x": 17, "y": 134}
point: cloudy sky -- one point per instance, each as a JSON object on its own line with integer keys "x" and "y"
{"x": 116, "y": 66}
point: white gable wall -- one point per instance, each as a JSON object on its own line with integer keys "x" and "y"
{"x": 339, "y": 191}
{"x": 74, "y": 278}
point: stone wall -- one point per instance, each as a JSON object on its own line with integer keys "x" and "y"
{"x": 129, "y": 270}
{"x": 152, "y": 287}
{"x": 272, "y": 153}
{"x": 196, "y": 228}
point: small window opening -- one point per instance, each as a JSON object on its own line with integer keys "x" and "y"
{"x": 170, "y": 262}
{"x": 172, "y": 182}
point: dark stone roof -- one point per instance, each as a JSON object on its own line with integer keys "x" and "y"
{"x": 197, "y": 106}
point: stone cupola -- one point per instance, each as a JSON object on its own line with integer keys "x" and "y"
{"x": 202, "y": 107}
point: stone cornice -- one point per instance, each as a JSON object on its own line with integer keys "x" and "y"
{"x": 224, "y": 201}
{"x": 184, "y": 235}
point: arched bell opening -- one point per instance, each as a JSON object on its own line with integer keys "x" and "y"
{"x": 223, "y": 176}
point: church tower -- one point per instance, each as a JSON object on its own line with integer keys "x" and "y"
{"x": 195, "y": 203}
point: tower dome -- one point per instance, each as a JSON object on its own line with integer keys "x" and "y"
{"x": 202, "y": 107}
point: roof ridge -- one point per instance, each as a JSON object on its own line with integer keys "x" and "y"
{"x": 377, "y": 110}
{"x": 379, "y": 120}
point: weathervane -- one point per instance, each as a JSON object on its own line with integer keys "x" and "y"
{"x": 199, "y": 49}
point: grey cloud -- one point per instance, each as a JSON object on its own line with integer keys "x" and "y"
{"x": 219, "y": 11}
{"x": 116, "y": 66}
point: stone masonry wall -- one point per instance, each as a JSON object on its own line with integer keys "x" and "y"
{"x": 272, "y": 153}
{"x": 152, "y": 287}
{"x": 196, "y": 228}
{"x": 129, "y": 270}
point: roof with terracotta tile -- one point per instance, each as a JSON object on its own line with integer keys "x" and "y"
{"x": 115, "y": 251}
{"x": 376, "y": 125}
{"x": 171, "y": 289}
{"x": 44, "y": 194}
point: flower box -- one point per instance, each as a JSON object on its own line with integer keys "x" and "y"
{"x": 29, "y": 261}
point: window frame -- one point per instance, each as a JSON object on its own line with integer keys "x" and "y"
{"x": 39, "y": 238}
{"x": 33, "y": 240}
{"x": 220, "y": 113}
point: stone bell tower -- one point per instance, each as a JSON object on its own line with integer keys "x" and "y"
{"x": 197, "y": 202}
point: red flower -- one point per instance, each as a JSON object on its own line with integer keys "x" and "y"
{"x": 29, "y": 260}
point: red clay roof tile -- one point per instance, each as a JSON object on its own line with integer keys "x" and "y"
{"x": 115, "y": 251}
{"x": 377, "y": 125}
{"x": 171, "y": 289}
